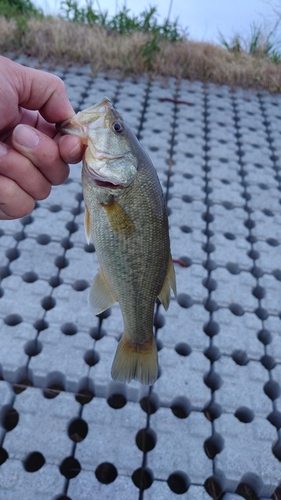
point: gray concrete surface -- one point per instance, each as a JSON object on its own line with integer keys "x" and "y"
{"x": 210, "y": 425}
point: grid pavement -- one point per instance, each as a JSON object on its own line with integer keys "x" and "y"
{"x": 210, "y": 426}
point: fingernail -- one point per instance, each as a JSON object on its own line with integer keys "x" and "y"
{"x": 3, "y": 149}
{"x": 25, "y": 136}
{"x": 75, "y": 152}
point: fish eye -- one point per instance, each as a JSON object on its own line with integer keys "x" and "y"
{"x": 118, "y": 127}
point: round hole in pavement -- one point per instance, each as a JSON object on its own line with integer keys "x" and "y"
{"x": 30, "y": 277}
{"x": 181, "y": 407}
{"x": 55, "y": 281}
{"x": 178, "y": 482}
{"x": 79, "y": 196}
{"x": 214, "y": 445}
{"x": 272, "y": 389}
{"x": 259, "y": 292}
{"x": 116, "y": 401}
{"x": 187, "y": 199}
{"x": 210, "y": 265}
{"x": 34, "y": 461}
{"x": 261, "y": 313}
{"x": 233, "y": 268}
{"x": 212, "y": 411}
{"x": 40, "y": 325}
{"x": 43, "y": 239}
{"x": 71, "y": 226}
{"x": 150, "y": 404}
{"x": 48, "y": 303}
{"x": 210, "y": 284}
{"x": 66, "y": 243}
{"x": 78, "y": 430}
{"x": 96, "y": 332}
{"x": 227, "y": 205}
{"x": 254, "y": 254}
{"x": 240, "y": 357}
{"x": 89, "y": 248}
{"x": 211, "y": 305}
{"x": 272, "y": 242}
{"x": 264, "y": 336}
{"x": 257, "y": 272}
{"x": 159, "y": 320}
{"x": 91, "y": 357}
{"x": 213, "y": 487}
{"x": 142, "y": 478}
{"x": 268, "y": 212}
{"x": 146, "y": 440}
{"x": 268, "y": 362}
{"x": 5, "y": 272}
{"x": 25, "y": 221}
{"x": 275, "y": 419}
{"x": 211, "y": 328}
{"x": 10, "y": 419}
{"x": 13, "y": 319}
{"x": 229, "y": 236}
{"x": 84, "y": 396}
{"x": 208, "y": 217}
{"x": 236, "y": 309}
{"x": 251, "y": 486}
{"x": 213, "y": 380}
{"x": 61, "y": 262}
{"x": 106, "y": 473}
{"x": 184, "y": 300}
{"x": 69, "y": 328}
{"x": 80, "y": 285}
{"x": 277, "y": 274}
{"x": 208, "y": 247}
{"x": 52, "y": 391}
{"x": 186, "y": 229}
{"x": 244, "y": 414}
{"x": 212, "y": 353}
{"x": 70, "y": 467}
{"x": 3, "y": 455}
{"x": 183, "y": 349}
{"x": 55, "y": 208}
{"x": 21, "y": 384}
{"x": 33, "y": 348}
{"x": 12, "y": 254}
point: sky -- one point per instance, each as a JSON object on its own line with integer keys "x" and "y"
{"x": 204, "y": 19}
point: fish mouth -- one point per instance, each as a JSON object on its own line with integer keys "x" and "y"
{"x": 106, "y": 184}
{"x": 101, "y": 181}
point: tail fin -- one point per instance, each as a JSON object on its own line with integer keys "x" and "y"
{"x": 133, "y": 361}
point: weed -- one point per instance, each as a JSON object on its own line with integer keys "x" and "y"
{"x": 15, "y": 8}
{"x": 260, "y": 43}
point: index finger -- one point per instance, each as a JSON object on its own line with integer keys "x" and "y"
{"x": 39, "y": 90}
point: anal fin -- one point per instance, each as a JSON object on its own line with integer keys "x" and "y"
{"x": 100, "y": 295}
{"x": 169, "y": 282}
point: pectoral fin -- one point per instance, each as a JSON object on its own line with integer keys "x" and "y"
{"x": 100, "y": 295}
{"x": 118, "y": 219}
{"x": 169, "y": 282}
{"x": 87, "y": 224}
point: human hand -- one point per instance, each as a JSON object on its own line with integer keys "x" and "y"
{"x": 33, "y": 156}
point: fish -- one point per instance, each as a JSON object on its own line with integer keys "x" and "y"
{"x": 126, "y": 216}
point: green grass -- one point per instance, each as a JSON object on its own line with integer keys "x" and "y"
{"x": 18, "y": 8}
{"x": 260, "y": 43}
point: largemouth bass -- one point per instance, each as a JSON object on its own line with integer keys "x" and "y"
{"x": 127, "y": 219}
